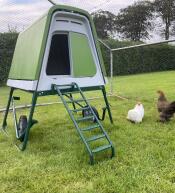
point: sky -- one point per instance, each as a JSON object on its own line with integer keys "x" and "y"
{"x": 22, "y": 13}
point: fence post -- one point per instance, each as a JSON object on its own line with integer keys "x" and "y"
{"x": 111, "y": 73}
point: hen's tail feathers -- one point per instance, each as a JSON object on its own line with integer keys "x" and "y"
{"x": 171, "y": 108}
{"x": 168, "y": 112}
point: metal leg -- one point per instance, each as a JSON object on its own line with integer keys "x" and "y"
{"x": 113, "y": 152}
{"x": 7, "y": 109}
{"x": 73, "y": 104}
{"x": 91, "y": 159}
{"x": 23, "y": 146}
{"x": 107, "y": 104}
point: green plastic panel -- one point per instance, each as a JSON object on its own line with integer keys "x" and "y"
{"x": 31, "y": 44}
{"x": 82, "y": 58}
{"x": 27, "y": 52}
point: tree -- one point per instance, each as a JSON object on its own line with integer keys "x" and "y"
{"x": 166, "y": 10}
{"x": 134, "y": 22}
{"x": 105, "y": 23}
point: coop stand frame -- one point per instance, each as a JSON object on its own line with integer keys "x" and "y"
{"x": 30, "y": 121}
{"x": 35, "y": 94}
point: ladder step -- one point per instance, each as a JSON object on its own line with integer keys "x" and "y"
{"x": 91, "y": 127}
{"x": 75, "y": 101}
{"x": 70, "y": 92}
{"x": 101, "y": 148}
{"x": 95, "y": 137}
{"x": 81, "y": 109}
{"x": 85, "y": 118}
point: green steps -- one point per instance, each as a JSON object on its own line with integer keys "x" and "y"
{"x": 75, "y": 101}
{"x": 78, "y": 110}
{"x": 95, "y": 137}
{"x": 90, "y": 127}
{"x": 93, "y": 121}
{"x": 71, "y": 92}
{"x": 85, "y": 118}
{"x": 101, "y": 148}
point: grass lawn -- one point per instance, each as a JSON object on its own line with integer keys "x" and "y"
{"x": 56, "y": 160}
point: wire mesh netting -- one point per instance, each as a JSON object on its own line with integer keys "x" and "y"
{"x": 130, "y": 59}
{"x": 19, "y": 14}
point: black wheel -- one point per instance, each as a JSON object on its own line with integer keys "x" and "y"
{"x": 22, "y": 127}
{"x": 87, "y": 112}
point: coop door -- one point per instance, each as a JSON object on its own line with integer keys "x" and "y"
{"x": 59, "y": 59}
{"x": 82, "y": 58}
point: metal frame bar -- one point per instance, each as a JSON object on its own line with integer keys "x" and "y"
{"x": 51, "y": 1}
{"x": 15, "y": 117}
{"x": 42, "y": 104}
{"x": 125, "y": 48}
{"x": 111, "y": 75}
{"x": 4, "y": 124}
{"x": 107, "y": 104}
{"x": 23, "y": 145}
{"x": 143, "y": 45}
{"x": 111, "y": 64}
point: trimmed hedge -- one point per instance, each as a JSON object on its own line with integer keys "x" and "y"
{"x": 138, "y": 60}
{"x": 7, "y": 46}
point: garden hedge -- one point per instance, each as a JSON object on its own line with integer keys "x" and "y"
{"x": 7, "y": 46}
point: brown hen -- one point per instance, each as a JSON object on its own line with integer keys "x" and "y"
{"x": 162, "y": 102}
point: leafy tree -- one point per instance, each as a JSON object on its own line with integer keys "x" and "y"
{"x": 134, "y": 21}
{"x": 166, "y": 10}
{"x": 105, "y": 23}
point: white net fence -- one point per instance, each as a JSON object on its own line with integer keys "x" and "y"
{"x": 141, "y": 58}
{"x": 19, "y": 14}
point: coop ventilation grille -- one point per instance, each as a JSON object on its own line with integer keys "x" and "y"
{"x": 74, "y": 22}
{"x": 62, "y": 20}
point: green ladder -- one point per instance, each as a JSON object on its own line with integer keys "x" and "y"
{"x": 65, "y": 92}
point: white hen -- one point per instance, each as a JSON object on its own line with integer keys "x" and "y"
{"x": 136, "y": 115}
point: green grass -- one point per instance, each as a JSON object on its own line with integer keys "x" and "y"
{"x": 56, "y": 160}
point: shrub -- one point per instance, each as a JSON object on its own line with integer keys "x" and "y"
{"x": 7, "y": 46}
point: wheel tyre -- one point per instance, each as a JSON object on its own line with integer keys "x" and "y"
{"x": 22, "y": 127}
{"x": 88, "y": 112}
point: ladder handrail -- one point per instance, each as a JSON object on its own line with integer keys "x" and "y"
{"x": 101, "y": 127}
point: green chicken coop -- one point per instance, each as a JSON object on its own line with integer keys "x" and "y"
{"x": 59, "y": 54}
